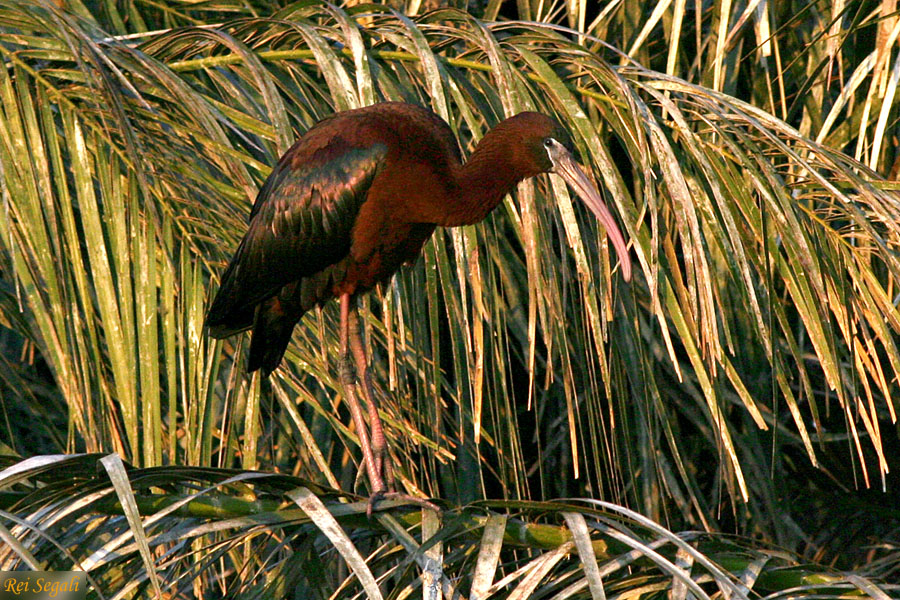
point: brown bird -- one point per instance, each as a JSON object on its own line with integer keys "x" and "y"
{"x": 353, "y": 199}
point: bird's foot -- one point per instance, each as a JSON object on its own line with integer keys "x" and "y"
{"x": 377, "y": 497}
{"x": 383, "y": 466}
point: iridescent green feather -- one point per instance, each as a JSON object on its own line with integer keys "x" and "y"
{"x": 300, "y": 224}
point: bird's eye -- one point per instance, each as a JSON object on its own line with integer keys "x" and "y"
{"x": 548, "y": 142}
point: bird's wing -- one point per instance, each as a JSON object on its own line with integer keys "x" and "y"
{"x": 300, "y": 224}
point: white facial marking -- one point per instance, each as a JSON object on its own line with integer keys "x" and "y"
{"x": 554, "y": 149}
{"x": 549, "y": 144}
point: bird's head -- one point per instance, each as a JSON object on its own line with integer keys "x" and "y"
{"x": 550, "y": 149}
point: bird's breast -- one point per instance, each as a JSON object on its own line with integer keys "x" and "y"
{"x": 391, "y": 249}
{"x": 402, "y": 205}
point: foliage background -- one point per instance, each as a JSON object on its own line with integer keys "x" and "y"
{"x": 743, "y": 383}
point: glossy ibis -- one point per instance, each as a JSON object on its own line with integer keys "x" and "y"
{"x": 355, "y": 198}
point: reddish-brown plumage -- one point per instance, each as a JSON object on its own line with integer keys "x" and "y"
{"x": 356, "y": 197}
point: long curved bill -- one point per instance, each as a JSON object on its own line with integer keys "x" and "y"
{"x": 566, "y": 167}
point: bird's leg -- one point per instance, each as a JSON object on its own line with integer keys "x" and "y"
{"x": 379, "y": 442}
{"x": 347, "y": 382}
{"x": 376, "y": 456}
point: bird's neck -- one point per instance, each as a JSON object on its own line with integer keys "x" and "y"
{"x": 492, "y": 171}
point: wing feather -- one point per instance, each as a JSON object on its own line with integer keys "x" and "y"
{"x": 300, "y": 224}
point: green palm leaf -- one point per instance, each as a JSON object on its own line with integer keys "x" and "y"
{"x": 205, "y": 527}
{"x": 758, "y": 340}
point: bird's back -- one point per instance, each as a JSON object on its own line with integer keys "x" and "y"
{"x": 302, "y": 222}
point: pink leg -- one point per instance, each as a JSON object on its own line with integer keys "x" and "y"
{"x": 379, "y": 442}
{"x": 349, "y": 385}
{"x": 375, "y": 455}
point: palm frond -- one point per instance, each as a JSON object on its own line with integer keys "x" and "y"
{"x": 759, "y": 337}
{"x": 220, "y": 533}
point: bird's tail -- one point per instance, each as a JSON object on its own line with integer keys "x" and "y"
{"x": 272, "y": 331}
{"x": 231, "y": 311}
